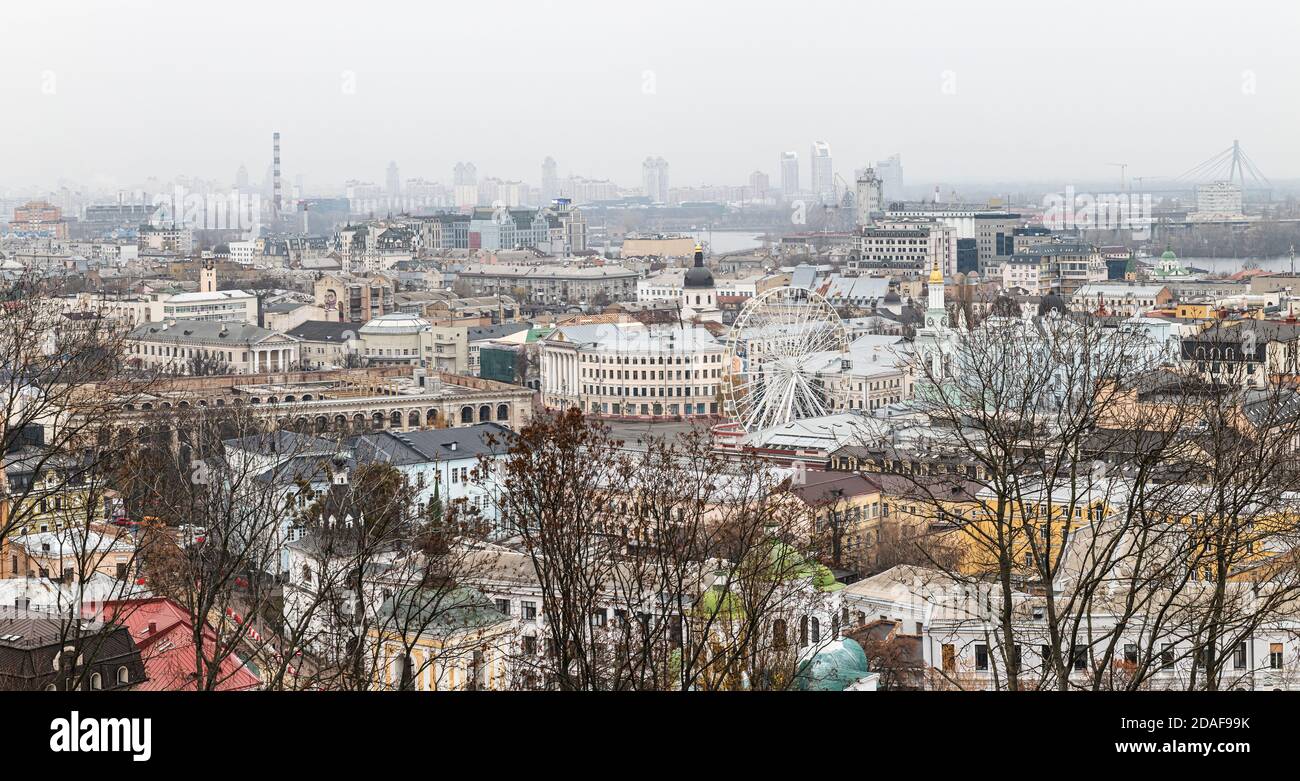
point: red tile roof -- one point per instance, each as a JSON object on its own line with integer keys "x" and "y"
{"x": 163, "y": 632}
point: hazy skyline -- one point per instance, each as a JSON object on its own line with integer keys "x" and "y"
{"x": 113, "y": 95}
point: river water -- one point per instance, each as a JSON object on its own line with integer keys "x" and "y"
{"x": 1233, "y": 265}
{"x": 730, "y": 241}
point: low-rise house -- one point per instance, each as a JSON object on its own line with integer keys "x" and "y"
{"x": 442, "y": 640}
{"x": 439, "y": 464}
{"x": 69, "y": 555}
{"x": 163, "y": 632}
{"x": 1120, "y": 298}
{"x": 55, "y": 652}
{"x": 325, "y": 344}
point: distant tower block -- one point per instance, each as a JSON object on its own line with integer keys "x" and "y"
{"x": 870, "y": 197}
{"x": 275, "y": 173}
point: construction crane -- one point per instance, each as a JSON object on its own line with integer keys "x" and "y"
{"x": 1123, "y": 167}
{"x": 840, "y": 193}
{"x": 1141, "y": 179}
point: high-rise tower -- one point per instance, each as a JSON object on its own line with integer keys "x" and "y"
{"x": 275, "y": 175}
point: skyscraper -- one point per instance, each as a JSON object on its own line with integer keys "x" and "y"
{"x": 789, "y": 173}
{"x": 654, "y": 179}
{"x": 823, "y": 177}
{"x": 759, "y": 184}
{"x": 890, "y": 171}
{"x": 550, "y": 181}
{"x": 465, "y": 184}
{"x": 465, "y": 173}
{"x": 394, "y": 181}
{"x": 275, "y": 174}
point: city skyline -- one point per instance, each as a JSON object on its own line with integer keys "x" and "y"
{"x": 655, "y": 89}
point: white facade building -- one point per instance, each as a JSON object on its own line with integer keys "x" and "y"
{"x": 1219, "y": 199}
{"x": 632, "y": 370}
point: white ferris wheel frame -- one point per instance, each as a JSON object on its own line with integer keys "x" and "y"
{"x": 773, "y": 388}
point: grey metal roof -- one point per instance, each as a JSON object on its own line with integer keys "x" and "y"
{"x": 201, "y": 331}
{"x": 421, "y": 447}
{"x": 324, "y": 331}
{"x": 496, "y": 331}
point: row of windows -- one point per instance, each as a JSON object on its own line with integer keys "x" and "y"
{"x": 644, "y": 361}
{"x": 97, "y": 680}
{"x": 611, "y": 374}
{"x": 619, "y": 390}
{"x": 1079, "y": 656}
{"x": 606, "y": 408}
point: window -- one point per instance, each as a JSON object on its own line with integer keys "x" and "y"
{"x": 528, "y": 644}
{"x": 1079, "y": 659}
{"x": 1275, "y": 656}
{"x": 503, "y": 605}
{"x": 816, "y": 631}
{"x": 96, "y": 681}
{"x": 1130, "y": 653}
{"x": 123, "y": 675}
{"x": 1239, "y": 656}
{"x": 1167, "y": 655}
{"x": 981, "y": 656}
{"x": 528, "y": 611}
{"x": 478, "y": 672}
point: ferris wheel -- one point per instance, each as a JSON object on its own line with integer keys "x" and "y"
{"x": 778, "y": 343}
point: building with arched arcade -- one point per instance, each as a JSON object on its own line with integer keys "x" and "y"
{"x": 341, "y": 402}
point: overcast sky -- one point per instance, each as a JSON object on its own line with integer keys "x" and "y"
{"x": 112, "y": 93}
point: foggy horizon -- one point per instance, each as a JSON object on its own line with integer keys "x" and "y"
{"x": 110, "y": 97}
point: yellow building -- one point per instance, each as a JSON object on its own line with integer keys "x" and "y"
{"x": 846, "y": 511}
{"x": 1194, "y": 312}
{"x": 46, "y": 497}
{"x": 442, "y": 640}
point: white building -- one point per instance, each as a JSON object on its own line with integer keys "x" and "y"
{"x": 992, "y": 229}
{"x": 439, "y": 464}
{"x": 905, "y": 248}
{"x": 1119, "y": 298}
{"x": 207, "y": 304}
{"x": 227, "y": 306}
{"x": 1218, "y": 200}
{"x": 186, "y": 346}
{"x": 632, "y": 370}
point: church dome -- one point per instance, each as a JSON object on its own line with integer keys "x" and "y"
{"x": 698, "y": 276}
{"x": 395, "y": 324}
{"x": 834, "y": 668}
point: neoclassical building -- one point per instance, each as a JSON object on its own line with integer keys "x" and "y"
{"x": 342, "y": 402}
{"x": 633, "y": 370}
{"x": 177, "y": 346}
